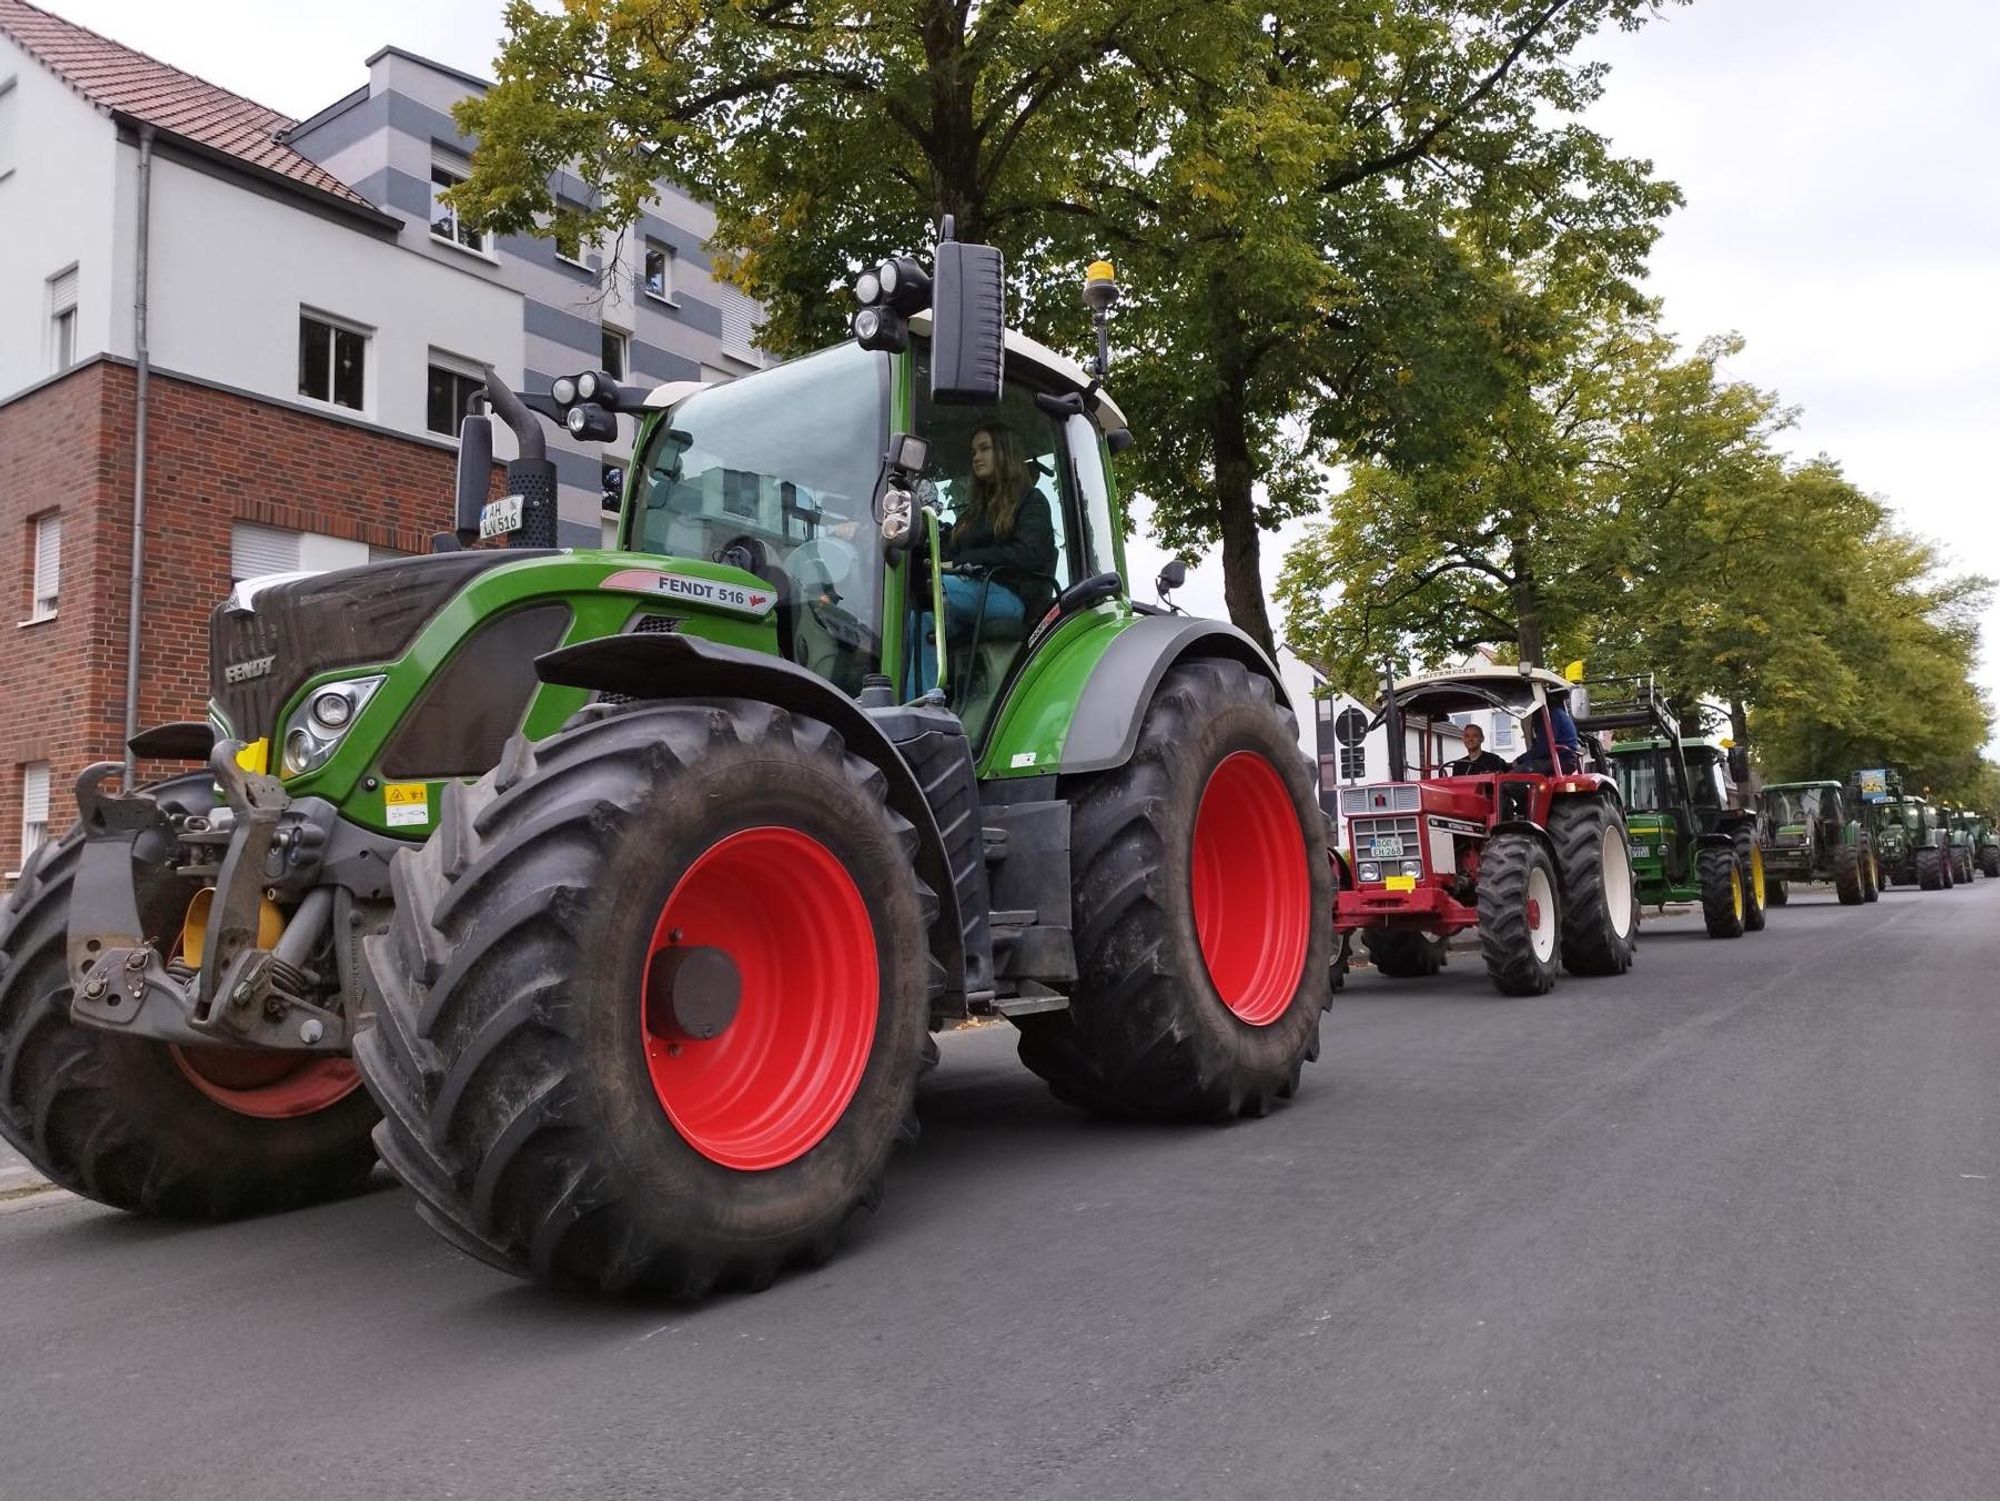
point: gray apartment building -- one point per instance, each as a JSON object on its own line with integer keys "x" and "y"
{"x": 644, "y": 308}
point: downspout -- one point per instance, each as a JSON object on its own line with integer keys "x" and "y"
{"x": 143, "y": 364}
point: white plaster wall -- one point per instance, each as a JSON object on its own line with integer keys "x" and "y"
{"x": 232, "y": 268}
{"x": 58, "y": 206}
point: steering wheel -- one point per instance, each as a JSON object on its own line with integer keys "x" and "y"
{"x": 830, "y": 559}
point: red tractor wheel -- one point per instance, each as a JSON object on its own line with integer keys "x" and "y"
{"x": 654, "y": 1001}
{"x": 1203, "y": 912}
{"x": 1520, "y": 914}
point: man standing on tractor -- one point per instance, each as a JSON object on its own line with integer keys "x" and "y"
{"x": 1569, "y": 748}
{"x": 1477, "y": 760}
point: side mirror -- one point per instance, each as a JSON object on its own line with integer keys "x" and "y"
{"x": 968, "y": 323}
{"x": 475, "y": 473}
{"x": 1171, "y": 577}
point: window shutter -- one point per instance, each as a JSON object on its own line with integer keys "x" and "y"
{"x": 48, "y": 564}
{"x": 741, "y": 317}
{"x": 257, "y": 550}
{"x": 62, "y": 290}
{"x": 34, "y": 806}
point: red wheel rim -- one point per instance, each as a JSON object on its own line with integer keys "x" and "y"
{"x": 268, "y": 1086}
{"x": 1252, "y": 890}
{"x": 777, "y": 1079}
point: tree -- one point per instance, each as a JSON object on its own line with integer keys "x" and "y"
{"x": 1279, "y": 176}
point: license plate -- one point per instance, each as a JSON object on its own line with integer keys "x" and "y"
{"x": 1390, "y": 848}
{"x": 1640, "y": 851}
{"x": 1401, "y": 883}
{"x": 499, "y": 517}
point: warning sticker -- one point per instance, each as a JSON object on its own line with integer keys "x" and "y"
{"x": 407, "y": 804}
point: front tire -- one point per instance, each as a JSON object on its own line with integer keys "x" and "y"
{"x": 1750, "y": 859}
{"x": 1850, "y": 881}
{"x": 565, "y": 1103}
{"x": 1520, "y": 917}
{"x": 140, "y": 1125}
{"x": 1203, "y": 912}
{"x": 1720, "y": 877}
{"x": 1600, "y": 900}
{"x": 1777, "y": 892}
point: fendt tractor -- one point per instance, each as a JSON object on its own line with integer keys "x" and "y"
{"x": 1963, "y": 826}
{"x": 634, "y": 881}
{"x": 1813, "y": 831}
{"x": 1694, "y": 839}
{"x": 1537, "y": 861}
{"x": 1983, "y": 839}
{"x": 1912, "y": 845}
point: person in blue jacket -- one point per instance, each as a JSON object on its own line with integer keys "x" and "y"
{"x": 1569, "y": 745}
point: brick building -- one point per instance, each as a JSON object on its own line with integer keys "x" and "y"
{"x": 313, "y": 317}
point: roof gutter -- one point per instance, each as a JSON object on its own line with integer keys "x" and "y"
{"x": 142, "y": 358}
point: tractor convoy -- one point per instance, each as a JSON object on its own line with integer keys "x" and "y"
{"x": 611, "y": 897}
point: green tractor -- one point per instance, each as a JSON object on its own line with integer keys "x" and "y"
{"x": 632, "y": 883}
{"x": 1984, "y": 839}
{"x": 1966, "y": 830}
{"x": 1813, "y": 831}
{"x": 1912, "y": 844}
{"x": 1694, "y": 839}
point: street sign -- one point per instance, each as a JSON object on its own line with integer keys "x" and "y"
{"x": 1351, "y": 727}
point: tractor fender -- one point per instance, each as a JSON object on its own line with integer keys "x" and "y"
{"x": 1104, "y": 730}
{"x": 1524, "y": 826}
{"x": 664, "y": 666}
{"x": 1713, "y": 840}
{"x": 183, "y": 740}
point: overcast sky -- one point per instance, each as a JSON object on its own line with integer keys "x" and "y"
{"x": 1838, "y": 159}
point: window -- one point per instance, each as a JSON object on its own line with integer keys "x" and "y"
{"x": 46, "y": 533}
{"x": 611, "y": 478}
{"x": 450, "y": 388}
{"x": 741, "y": 318}
{"x": 34, "y": 807}
{"x": 614, "y": 354}
{"x": 255, "y": 551}
{"x": 333, "y": 361}
{"x": 658, "y": 280}
{"x": 62, "y": 320}
{"x": 446, "y": 223}
{"x": 569, "y": 247}
{"x": 7, "y": 113}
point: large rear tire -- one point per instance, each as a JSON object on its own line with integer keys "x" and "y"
{"x": 1720, "y": 877}
{"x": 1600, "y": 900}
{"x": 654, "y": 1001}
{"x": 208, "y": 1134}
{"x": 1850, "y": 881}
{"x": 1989, "y": 861}
{"x": 1203, "y": 912}
{"x": 1520, "y": 914}
{"x": 1403, "y": 953}
{"x": 1750, "y": 859}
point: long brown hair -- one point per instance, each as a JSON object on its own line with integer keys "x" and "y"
{"x": 999, "y": 499}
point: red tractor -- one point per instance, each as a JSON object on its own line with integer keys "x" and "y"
{"x": 1537, "y": 860}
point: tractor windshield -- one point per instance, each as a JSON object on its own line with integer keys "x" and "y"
{"x": 777, "y": 473}
{"x": 1644, "y": 780}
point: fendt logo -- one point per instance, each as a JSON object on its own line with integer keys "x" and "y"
{"x": 243, "y": 672}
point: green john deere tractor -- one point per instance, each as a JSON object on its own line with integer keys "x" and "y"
{"x": 1813, "y": 831}
{"x": 1912, "y": 844}
{"x": 633, "y": 882}
{"x": 1693, "y": 837}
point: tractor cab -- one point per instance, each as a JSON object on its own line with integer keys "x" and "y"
{"x": 1813, "y": 831}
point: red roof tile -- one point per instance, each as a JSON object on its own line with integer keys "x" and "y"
{"x": 117, "y": 78}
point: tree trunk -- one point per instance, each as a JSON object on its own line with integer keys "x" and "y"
{"x": 1235, "y": 482}
{"x": 1527, "y": 603}
{"x": 1739, "y": 722}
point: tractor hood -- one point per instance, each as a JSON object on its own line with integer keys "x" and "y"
{"x": 271, "y": 635}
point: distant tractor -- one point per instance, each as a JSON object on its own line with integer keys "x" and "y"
{"x": 1985, "y": 841}
{"x": 1694, "y": 839}
{"x": 1963, "y": 827}
{"x": 1911, "y": 841}
{"x": 1813, "y": 831}
{"x": 1537, "y": 861}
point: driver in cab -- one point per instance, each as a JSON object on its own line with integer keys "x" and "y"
{"x": 1477, "y": 760}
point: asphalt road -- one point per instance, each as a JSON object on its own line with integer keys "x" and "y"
{"x": 1728, "y": 1226}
